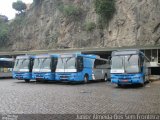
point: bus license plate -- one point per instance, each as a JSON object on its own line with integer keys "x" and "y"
{"x": 124, "y": 80}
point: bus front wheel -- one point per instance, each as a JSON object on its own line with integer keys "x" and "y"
{"x": 105, "y": 78}
{"x": 119, "y": 85}
{"x": 85, "y": 79}
{"x": 27, "y": 81}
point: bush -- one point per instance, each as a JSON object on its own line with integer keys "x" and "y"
{"x": 89, "y": 26}
{"x": 69, "y": 11}
{"x": 105, "y": 9}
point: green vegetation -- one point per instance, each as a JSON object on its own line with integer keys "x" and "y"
{"x": 69, "y": 11}
{"x": 4, "y": 32}
{"x": 19, "y": 6}
{"x": 105, "y": 9}
{"x": 89, "y": 26}
{"x": 19, "y": 20}
{"x": 72, "y": 12}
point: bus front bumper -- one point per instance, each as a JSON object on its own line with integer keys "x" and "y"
{"x": 128, "y": 79}
{"x": 43, "y": 76}
{"x": 22, "y": 76}
{"x": 68, "y": 77}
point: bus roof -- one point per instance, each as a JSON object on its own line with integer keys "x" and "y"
{"x": 45, "y": 55}
{"x": 126, "y": 52}
{"x": 6, "y": 59}
{"x": 24, "y": 56}
{"x": 78, "y": 54}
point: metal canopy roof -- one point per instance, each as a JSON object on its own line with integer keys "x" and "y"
{"x": 83, "y": 50}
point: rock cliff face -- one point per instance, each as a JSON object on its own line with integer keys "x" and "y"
{"x": 135, "y": 22}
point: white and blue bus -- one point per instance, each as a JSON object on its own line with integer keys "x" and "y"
{"x": 23, "y": 67}
{"x": 81, "y": 68}
{"x": 129, "y": 67}
{"x": 44, "y": 67}
{"x": 6, "y": 67}
{"x": 70, "y": 67}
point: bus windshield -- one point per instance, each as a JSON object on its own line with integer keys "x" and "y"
{"x": 131, "y": 64}
{"x": 21, "y": 64}
{"x": 24, "y": 64}
{"x": 117, "y": 62}
{"x": 46, "y": 63}
{"x": 68, "y": 64}
{"x": 125, "y": 63}
{"x": 41, "y": 63}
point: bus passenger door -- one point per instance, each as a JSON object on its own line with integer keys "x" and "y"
{"x": 97, "y": 72}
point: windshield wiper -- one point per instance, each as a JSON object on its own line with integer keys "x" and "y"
{"x": 68, "y": 59}
{"x": 129, "y": 57}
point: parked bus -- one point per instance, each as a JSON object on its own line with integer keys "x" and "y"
{"x": 23, "y": 68}
{"x": 80, "y": 67}
{"x": 44, "y": 67}
{"x": 129, "y": 67}
{"x": 6, "y": 67}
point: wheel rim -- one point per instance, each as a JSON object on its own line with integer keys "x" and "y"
{"x": 85, "y": 79}
{"x": 105, "y": 78}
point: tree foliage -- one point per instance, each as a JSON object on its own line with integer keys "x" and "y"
{"x": 4, "y": 31}
{"x": 105, "y": 9}
{"x": 19, "y": 6}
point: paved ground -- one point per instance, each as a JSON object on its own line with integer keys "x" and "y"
{"x": 17, "y": 97}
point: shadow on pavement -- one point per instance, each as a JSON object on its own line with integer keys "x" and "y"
{"x": 134, "y": 86}
{"x": 58, "y": 83}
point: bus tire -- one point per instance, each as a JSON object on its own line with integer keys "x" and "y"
{"x": 144, "y": 80}
{"x": 105, "y": 78}
{"x": 27, "y": 81}
{"x": 45, "y": 81}
{"x": 86, "y": 79}
{"x": 119, "y": 85}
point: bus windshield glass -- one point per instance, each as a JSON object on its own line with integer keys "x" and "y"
{"x": 125, "y": 63}
{"x": 131, "y": 64}
{"x": 37, "y": 63}
{"x": 117, "y": 62}
{"x": 46, "y": 63}
{"x": 21, "y": 64}
{"x": 68, "y": 63}
{"x": 41, "y": 63}
{"x": 24, "y": 64}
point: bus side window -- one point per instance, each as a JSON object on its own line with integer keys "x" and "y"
{"x": 79, "y": 63}
{"x": 98, "y": 63}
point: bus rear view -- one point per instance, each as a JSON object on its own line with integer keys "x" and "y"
{"x": 129, "y": 67}
{"x": 6, "y": 67}
{"x": 23, "y": 68}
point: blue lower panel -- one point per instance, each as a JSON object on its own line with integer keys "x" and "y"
{"x": 44, "y": 76}
{"x": 127, "y": 78}
{"x": 22, "y": 76}
{"x": 71, "y": 77}
{"x": 129, "y": 81}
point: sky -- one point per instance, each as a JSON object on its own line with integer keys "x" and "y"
{"x": 6, "y": 7}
